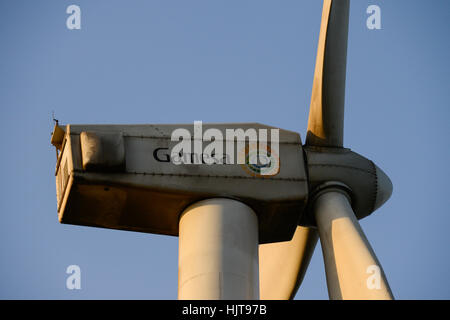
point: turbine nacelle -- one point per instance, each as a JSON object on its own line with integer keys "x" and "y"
{"x": 122, "y": 177}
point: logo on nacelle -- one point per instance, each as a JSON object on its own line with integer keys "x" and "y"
{"x": 253, "y": 154}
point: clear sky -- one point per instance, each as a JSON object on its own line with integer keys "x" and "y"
{"x": 176, "y": 61}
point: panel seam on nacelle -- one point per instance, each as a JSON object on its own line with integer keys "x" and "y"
{"x": 341, "y": 166}
{"x": 376, "y": 186}
{"x": 197, "y": 175}
{"x": 192, "y": 139}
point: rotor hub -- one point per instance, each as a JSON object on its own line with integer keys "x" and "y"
{"x": 343, "y": 170}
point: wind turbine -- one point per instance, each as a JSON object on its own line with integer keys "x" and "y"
{"x": 242, "y": 235}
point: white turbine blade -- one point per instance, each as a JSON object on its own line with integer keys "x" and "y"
{"x": 282, "y": 265}
{"x": 352, "y": 269}
{"x": 326, "y": 115}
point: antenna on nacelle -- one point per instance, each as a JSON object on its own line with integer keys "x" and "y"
{"x": 56, "y": 121}
{"x": 57, "y": 135}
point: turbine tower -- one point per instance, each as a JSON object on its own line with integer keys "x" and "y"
{"x": 243, "y": 233}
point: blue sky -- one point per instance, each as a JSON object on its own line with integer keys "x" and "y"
{"x": 217, "y": 61}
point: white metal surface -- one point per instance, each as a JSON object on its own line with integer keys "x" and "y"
{"x": 352, "y": 269}
{"x": 218, "y": 251}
